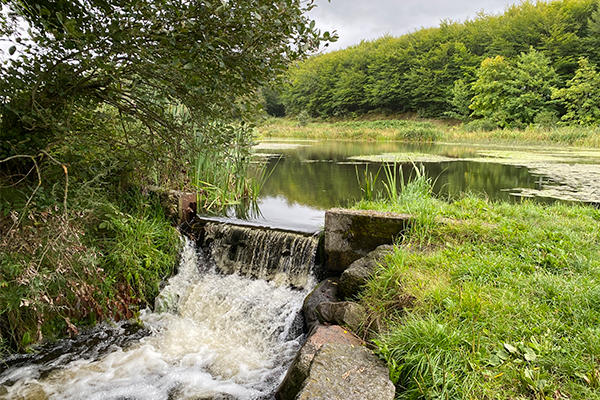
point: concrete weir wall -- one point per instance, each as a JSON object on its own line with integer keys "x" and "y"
{"x": 334, "y": 363}
{"x": 352, "y": 234}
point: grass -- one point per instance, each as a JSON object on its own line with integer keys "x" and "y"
{"x": 489, "y": 300}
{"x": 61, "y": 269}
{"x": 412, "y": 195}
{"x": 428, "y": 131}
{"x": 353, "y": 130}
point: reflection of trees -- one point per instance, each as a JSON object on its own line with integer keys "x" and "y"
{"x": 454, "y": 178}
{"x": 322, "y": 182}
{"x": 315, "y": 184}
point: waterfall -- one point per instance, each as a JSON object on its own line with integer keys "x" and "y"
{"x": 211, "y": 335}
{"x": 285, "y": 258}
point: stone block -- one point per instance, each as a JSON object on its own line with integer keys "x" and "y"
{"x": 299, "y": 370}
{"x": 356, "y": 276}
{"x": 345, "y": 372}
{"x": 325, "y": 291}
{"x": 345, "y": 313}
{"x": 352, "y": 234}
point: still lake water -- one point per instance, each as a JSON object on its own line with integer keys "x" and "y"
{"x": 308, "y": 177}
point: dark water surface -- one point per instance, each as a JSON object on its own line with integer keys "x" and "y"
{"x": 311, "y": 176}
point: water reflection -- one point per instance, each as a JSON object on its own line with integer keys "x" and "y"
{"x": 312, "y": 176}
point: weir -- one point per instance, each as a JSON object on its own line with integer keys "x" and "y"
{"x": 226, "y": 327}
{"x": 285, "y": 258}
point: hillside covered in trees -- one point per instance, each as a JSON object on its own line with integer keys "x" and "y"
{"x": 536, "y": 63}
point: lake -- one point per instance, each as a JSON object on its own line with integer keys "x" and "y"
{"x": 307, "y": 176}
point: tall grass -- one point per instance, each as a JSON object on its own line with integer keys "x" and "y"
{"x": 140, "y": 247}
{"x": 504, "y": 304}
{"x": 221, "y": 170}
{"x": 430, "y": 131}
{"x": 415, "y": 131}
{"x": 367, "y": 184}
{"x": 413, "y": 195}
{"x": 64, "y": 268}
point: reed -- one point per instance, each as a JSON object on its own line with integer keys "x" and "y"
{"x": 431, "y": 131}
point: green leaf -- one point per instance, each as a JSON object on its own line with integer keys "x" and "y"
{"x": 494, "y": 360}
{"x": 510, "y": 348}
{"x": 12, "y": 50}
{"x": 503, "y": 354}
{"x": 530, "y": 355}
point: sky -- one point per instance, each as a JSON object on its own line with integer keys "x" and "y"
{"x": 357, "y": 20}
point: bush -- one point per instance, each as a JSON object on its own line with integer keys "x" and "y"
{"x": 483, "y": 124}
{"x": 546, "y": 119}
{"x": 303, "y": 117}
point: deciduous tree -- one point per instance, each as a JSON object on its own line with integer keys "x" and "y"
{"x": 581, "y": 96}
{"x": 513, "y": 93}
{"x": 142, "y": 75}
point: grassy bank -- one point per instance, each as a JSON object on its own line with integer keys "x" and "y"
{"x": 66, "y": 264}
{"x": 427, "y": 131}
{"x": 489, "y": 300}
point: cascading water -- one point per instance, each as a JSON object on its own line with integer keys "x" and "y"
{"x": 279, "y": 256}
{"x": 211, "y": 336}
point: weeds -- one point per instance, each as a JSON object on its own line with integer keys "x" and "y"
{"x": 66, "y": 267}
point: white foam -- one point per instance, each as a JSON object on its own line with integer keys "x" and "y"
{"x": 215, "y": 334}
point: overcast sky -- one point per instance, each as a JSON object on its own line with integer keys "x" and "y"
{"x": 356, "y": 20}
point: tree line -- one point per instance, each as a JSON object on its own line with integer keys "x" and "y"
{"x": 535, "y": 63}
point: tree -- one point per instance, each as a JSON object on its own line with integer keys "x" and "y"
{"x": 462, "y": 94}
{"x": 432, "y": 78}
{"x": 581, "y": 96}
{"x": 142, "y": 76}
{"x": 593, "y": 38}
{"x": 513, "y": 92}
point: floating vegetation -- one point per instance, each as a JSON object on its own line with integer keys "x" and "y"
{"x": 572, "y": 174}
{"x": 405, "y": 158}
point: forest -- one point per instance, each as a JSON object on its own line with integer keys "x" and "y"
{"x": 537, "y": 63}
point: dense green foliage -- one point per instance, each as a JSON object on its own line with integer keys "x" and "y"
{"x": 112, "y": 76}
{"x": 497, "y": 67}
{"x": 508, "y": 94}
{"x": 487, "y": 300}
{"x": 581, "y": 96}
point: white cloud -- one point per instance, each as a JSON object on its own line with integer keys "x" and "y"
{"x": 356, "y": 20}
